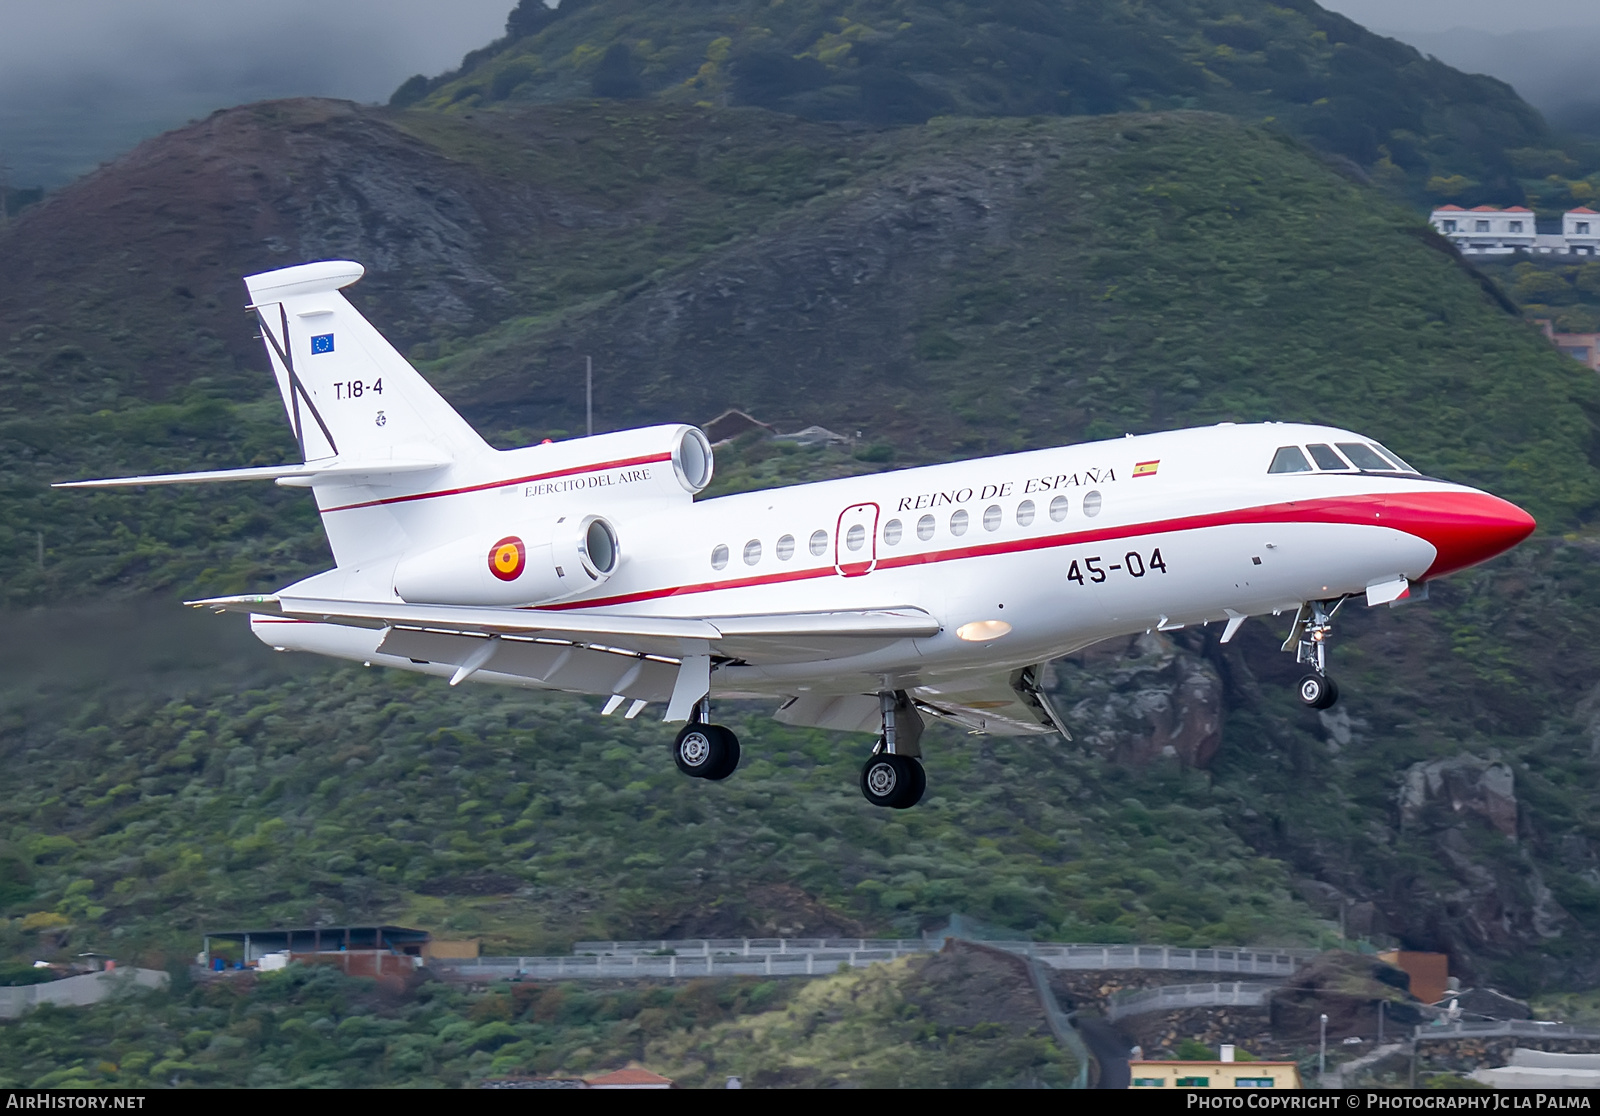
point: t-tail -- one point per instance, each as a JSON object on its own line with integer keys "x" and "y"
{"x": 396, "y": 472}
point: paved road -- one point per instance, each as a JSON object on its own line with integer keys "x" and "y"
{"x": 1110, "y": 1049}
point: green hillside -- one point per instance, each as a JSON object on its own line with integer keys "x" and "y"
{"x": 947, "y": 289}
{"x": 1409, "y": 120}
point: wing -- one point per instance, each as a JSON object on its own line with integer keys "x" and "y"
{"x": 646, "y": 659}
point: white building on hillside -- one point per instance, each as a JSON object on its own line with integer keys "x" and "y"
{"x": 1581, "y": 229}
{"x": 1487, "y": 231}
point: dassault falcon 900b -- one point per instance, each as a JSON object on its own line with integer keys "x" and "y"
{"x": 863, "y": 604}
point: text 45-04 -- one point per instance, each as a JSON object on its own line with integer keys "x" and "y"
{"x": 1133, "y": 564}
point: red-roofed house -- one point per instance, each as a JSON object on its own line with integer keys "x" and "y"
{"x": 634, "y": 1077}
{"x": 1487, "y": 231}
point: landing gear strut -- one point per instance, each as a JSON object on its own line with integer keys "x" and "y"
{"x": 703, "y": 750}
{"x": 1309, "y": 638}
{"x": 893, "y": 775}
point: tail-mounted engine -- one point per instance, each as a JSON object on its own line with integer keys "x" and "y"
{"x": 566, "y": 558}
{"x": 546, "y": 548}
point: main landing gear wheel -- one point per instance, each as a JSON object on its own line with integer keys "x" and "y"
{"x": 895, "y": 781}
{"x": 706, "y": 751}
{"x": 1318, "y": 691}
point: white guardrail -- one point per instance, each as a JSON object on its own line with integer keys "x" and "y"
{"x": 666, "y": 957}
{"x": 1172, "y": 997}
{"x": 1522, "y": 1028}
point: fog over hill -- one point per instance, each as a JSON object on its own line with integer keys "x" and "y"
{"x": 82, "y": 81}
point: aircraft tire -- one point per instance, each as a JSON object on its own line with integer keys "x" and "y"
{"x": 1317, "y": 691}
{"x": 730, "y": 756}
{"x": 705, "y": 751}
{"x": 893, "y": 781}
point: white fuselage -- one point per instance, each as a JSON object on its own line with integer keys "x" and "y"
{"x": 1046, "y": 551}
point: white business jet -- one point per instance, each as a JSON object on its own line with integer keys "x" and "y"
{"x": 864, "y": 604}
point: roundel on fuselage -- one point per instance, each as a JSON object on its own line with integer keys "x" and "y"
{"x": 508, "y": 558}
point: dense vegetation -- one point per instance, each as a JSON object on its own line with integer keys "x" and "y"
{"x": 909, "y": 1024}
{"x": 1411, "y": 121}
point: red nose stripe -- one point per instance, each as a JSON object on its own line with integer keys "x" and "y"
{"x": 1464, "y": 527}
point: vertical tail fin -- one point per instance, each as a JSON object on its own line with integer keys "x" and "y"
{"x": 347, "y": 392}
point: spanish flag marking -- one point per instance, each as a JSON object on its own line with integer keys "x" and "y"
{"x": 1146, "y": 468}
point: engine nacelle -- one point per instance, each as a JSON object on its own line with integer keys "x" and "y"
{"x": 568, "y": 557}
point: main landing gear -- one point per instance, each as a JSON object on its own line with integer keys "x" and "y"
{"x": 703, "y": 750}
{"x": 1309, "y": 638}
{"x": 893, "y": 775}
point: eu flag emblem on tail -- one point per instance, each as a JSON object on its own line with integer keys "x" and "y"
{"x": 322, "y": 343}
{"x": 1140, "y": 469}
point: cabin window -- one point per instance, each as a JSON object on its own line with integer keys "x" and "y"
{"x": 785, "y": 548}
{"x": 1024, "y": 513}
{"x": 1325, "y": 457}
{"x": 925, "y": 528}
{"x": 1289, "y": 459}
{"x": 1363, "y": 456}
{"x": 892, "y": 531}
{"x": 856, "y": 537}
{"x": 992, "y": 515}
{"x": 752, "y": 552}
{"x": 958, "y": 521}
{"x": 719, "y": 556}
{"x": 1091, "y": 503}
{"x": 1058, "y": 508}
{"x": 819, "y": 543}
{"x": 1392, "y": 456}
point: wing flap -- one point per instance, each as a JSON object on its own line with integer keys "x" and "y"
{"x": 558, "y": 665}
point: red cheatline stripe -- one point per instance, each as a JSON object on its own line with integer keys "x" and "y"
{"x": 593, "y": 468}
{"x": 1348, "y": 509}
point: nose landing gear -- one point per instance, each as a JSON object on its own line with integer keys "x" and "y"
{"x": 1312, "y": 626}
{"x": 703, "y": 750}
{"x": 893, "y": 774}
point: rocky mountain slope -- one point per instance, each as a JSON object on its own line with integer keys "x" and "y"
{"x": 1409, "y": 120}
{"x": 947, "y": 289}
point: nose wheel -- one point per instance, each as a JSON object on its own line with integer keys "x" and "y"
{"x": 1309, "y": 640}
{"x": 705, "y": 751}
{"x": 1318, "y": 691}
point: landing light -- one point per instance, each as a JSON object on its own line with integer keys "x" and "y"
{"x": 982, "y": 631}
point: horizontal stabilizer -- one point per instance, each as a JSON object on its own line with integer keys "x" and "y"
{"x": 306, "y": 473}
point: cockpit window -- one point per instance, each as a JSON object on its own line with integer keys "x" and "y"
{"x": 1392, "y": 456}
{"x": 1365, "y": 458}
{"x": 1325, "y": 457}
{"x": 1289, "y": 459}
